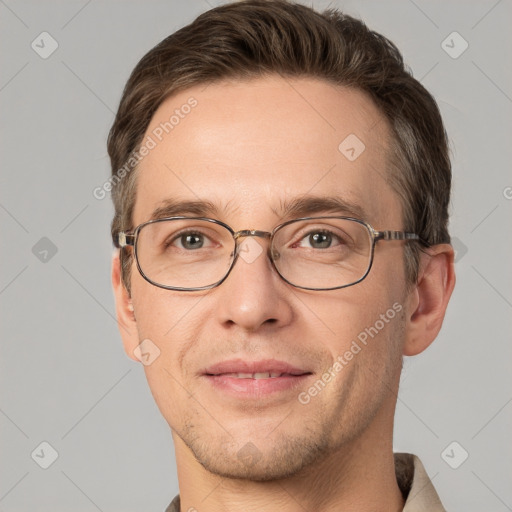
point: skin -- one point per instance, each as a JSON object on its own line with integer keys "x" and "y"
{"x": 247, "y": 146}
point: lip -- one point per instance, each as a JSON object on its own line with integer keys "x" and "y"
{"x": 220, "y": 377}
{"x": 243, "y": 366}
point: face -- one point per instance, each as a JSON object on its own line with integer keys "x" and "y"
{"x": 248, "y": 148}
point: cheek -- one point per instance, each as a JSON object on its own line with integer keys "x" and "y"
{"x": 364, "y": 326}
{"x": 159, "y": 313}
{"x": 352, "y": 312}
{"x": 174, "y": 323}
{"x": 380, "y": 310}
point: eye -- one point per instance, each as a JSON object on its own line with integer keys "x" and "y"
{"x": 319, "y": 240}
{"x": 190, "y": 240}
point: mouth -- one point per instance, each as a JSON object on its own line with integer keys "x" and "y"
{"x": 255, "y": 379}
{"x": 258, "y": 375}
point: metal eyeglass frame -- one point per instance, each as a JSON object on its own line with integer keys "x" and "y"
{"x": 129, "y": 238}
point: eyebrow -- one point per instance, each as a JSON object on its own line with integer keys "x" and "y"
{"x": 174, "y": 208}
{"x": 297, "y": 207}
{"x": 306, "y": 205}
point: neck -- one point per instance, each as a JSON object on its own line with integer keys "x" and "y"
{"x": 357, "y": 477}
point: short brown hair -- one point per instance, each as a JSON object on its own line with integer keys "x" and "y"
{"x": 254, "y": 38}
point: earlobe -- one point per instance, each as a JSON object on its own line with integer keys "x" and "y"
{"x": 429, "y": 298}
{"x": 124, "y": 310}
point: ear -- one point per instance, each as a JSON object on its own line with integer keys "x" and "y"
{"x": 429, "y": 298}
{"x": 124, "y": 310}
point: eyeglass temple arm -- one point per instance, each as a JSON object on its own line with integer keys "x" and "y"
{"x": 124, "y": 239}
{"x": 395, "y": 235}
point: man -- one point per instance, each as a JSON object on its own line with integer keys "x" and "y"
{"x": 281, "y": 186}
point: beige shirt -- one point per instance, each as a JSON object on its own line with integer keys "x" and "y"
{"x": 416, "y": 487}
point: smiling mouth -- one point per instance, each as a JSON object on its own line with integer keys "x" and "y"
{"x": 258, "y": 375}
{"x": 242, "y": 380}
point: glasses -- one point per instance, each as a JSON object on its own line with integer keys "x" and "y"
{"x": 312, "y": 253}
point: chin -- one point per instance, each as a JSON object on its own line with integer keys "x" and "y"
{"x": 283, "y": 458}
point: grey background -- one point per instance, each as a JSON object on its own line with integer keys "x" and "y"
{"x": 64, "y": 376}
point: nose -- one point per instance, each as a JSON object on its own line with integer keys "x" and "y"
{"x": 253, "y": 296}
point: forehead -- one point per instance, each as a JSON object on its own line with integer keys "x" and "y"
{"x": 249, "y": 147}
